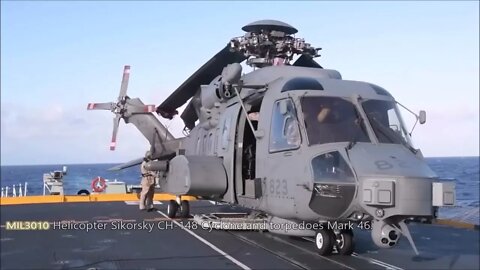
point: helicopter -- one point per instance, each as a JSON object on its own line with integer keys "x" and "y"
{"x": 290, "y": 140}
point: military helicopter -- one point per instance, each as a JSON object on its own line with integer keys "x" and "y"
{"x": 290, "y": 140}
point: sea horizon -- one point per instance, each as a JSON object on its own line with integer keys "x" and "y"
{"x": 115, "y": 163}
{"x": 464, "y": 170}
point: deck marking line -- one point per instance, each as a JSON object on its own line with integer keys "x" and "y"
{"x": 136, "y": 202}
{"x": 255, "y": 244}
{"x": 235, "y": 261}
{"x": 371, "y": 260}
{"x": 311, "y": 252}
{"x": 377, "y": 262}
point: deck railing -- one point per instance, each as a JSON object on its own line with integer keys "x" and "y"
{"x": 15, "y": 191}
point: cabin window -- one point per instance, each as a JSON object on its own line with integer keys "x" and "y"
{"x": 332, "y": 119}
{"x": 284, "y": 132}
{"x": 331, "y": 167}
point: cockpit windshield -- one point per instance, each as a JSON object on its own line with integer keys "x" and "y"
{"x": 332, "y": 119}
{"x": 386, "y": 122}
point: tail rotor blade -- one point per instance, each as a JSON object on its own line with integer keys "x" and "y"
{"x": 123, "y": 108}
{"x": 101, "y": 106}
{"x": 113, "y": 143}
{"x": 124, "y": 86}
{"x": 141, "y": 109}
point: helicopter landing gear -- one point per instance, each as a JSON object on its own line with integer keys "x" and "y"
{"x": 344, "y": 242}
{"x": 324, "y": 241}
{"x": 184, "y": 209}
{"x": 178, "y": 205}
{"x": 172, "y": 208}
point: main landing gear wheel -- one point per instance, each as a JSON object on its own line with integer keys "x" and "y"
{"x": 184, "y": 209}
{"x": 172, "y": 208}
{"x": 344, "y": 242}
{"x": 324, "y": 241}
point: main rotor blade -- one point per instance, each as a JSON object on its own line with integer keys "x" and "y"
{"x": 113, "y": 143}
{"x": 127, "y": 164}
{"x": 189, "y": 115}
{"x": 204, "y": 75}
{"x": 101, "y": 106}
{"x": 124, "y": 86}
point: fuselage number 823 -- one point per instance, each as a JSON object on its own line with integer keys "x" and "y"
{"x": 278, "y": 187}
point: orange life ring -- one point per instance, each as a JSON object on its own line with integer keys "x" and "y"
{"x": 99, "y": 184}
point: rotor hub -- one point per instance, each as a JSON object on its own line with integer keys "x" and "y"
{"x": 270, "y": 42}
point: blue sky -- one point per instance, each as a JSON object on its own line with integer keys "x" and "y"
{"x": 58, "y": 56}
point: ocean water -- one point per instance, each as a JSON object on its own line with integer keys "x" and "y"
{"x": 79, "y": 176}
{"x": 465, "y": 171}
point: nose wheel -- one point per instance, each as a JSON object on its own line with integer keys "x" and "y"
{"x": 324, "y": 241}
{"x": 344, "y": 242}
{"x": 327, "y": 240}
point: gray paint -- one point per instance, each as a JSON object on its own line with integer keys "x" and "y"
{"x": 196, "y": 175}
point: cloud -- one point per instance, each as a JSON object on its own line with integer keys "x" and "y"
{"x": 57, "y": 134}
{"x": 51, "y": 121}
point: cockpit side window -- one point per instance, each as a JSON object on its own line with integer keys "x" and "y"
{"x": 284, "y": 132}
{"x": 386, "y": 121}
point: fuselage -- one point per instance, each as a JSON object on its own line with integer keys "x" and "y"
{"x": 328, "y": 149}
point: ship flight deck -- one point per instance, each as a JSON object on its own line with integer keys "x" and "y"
{"x": 126, "y": 238}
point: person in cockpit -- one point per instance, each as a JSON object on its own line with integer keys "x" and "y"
{"x": 330, "y": 120}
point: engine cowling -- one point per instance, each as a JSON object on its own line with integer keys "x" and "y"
{"x": 196, "y": 175}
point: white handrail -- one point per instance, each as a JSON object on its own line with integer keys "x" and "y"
{"x": 22, "y": 192}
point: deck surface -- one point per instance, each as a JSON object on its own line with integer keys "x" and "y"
{"x": 170, "y": 246}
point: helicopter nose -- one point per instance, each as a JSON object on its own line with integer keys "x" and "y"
{"x": 401, "y": 196}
